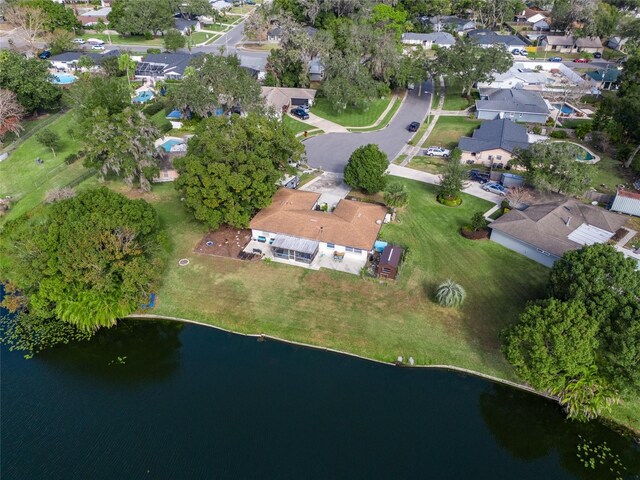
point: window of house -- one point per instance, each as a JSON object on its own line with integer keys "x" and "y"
{"x": 331, "y": 245}
{"x": 543, "y": 252}
{"x": 348, "y": 249}
{"x": 499, "y": 157}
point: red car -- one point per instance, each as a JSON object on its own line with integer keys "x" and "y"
{"x": 581, "y": 60}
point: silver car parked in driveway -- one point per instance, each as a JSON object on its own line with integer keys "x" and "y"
{"x": 437, "y": 152}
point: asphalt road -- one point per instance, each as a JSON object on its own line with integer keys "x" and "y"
{"x": 332, "y": 151}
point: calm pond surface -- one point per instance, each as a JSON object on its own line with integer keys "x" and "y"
{"x": 190, "y": 402}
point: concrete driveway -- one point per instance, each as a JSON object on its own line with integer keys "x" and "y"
{"x": 332, "y": 151}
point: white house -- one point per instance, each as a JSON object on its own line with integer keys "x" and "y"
{"x": 296, "y": 229}
{"x": 428, "y": 40}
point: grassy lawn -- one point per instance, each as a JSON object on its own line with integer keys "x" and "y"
{"x": 201, "y": 37}
{"x": 122, "y": 40}
{"x": 30, "y": 125}
{"x": 608, "y": 172}
{"x": 423, "y": 128}
{"x": 346, "y": 312}
{"x": 233, "y": 19}
{"x": 22, "y": 178}
{"x": 351, "y": 117}
{"x": 453, "y": 99}
{"x": 215, "y": 28}
{"x": 399, "y": 159}
{"x": 385, "y": 121}
{"x": 296, "y": 126}
{"x": 448, "y": 130}
{"x": 428, "y": 164}
{"x": 307, "y": 177}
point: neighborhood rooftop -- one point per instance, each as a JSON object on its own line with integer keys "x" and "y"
{"x": 437, "y": 38}
{"x": 489, "y": 37}
{"x": 514, "y": 100}
{"x": 354, "y": 224}
{"x": 97, "y": 58}
{"x": 559, "y": 226}
{"x": 494, "y": 134}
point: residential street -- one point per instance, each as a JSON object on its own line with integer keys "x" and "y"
{"x": 332, "y": 151}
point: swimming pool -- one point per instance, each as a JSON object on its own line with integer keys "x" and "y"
{"x": 565, "y": 109}
{"x": 143, "y": 96}
{"x": 170, "y": 143}
{"x": 63, "y": 78}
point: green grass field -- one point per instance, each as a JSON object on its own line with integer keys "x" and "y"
{"x": 25, "y": 180}
{"x": 385, "y": 120}
{"x": 448, "y": 130}
{"x": 453, "y": 99}
{"x": 351, "y": 117}
{"x": 296, "y": 126}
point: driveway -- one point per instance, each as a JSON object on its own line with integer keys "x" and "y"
{"x": 332, "y": 151}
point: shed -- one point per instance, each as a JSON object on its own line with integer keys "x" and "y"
{"x": 626, "y": 202}
{"x": 389, "y": 261}
{"x": 511, "y": 180}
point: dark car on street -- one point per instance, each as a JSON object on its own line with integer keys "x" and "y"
{"x": 597, "y": 55}
{"x": 413, "y": 126}
{"x": 555, "y": 59}
{"x": 300, "y": 113}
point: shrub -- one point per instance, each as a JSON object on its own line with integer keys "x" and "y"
{"x": 153, "y": 108}
{"x": 583, "y": 129}
{"x": 148, "y": 36}
{"x": 478, "y": 222}
{"x": 450, "y": 294}
{"x": 537, "y": 129}
{"x": 396, "y": 195}
{"x": 505, "y": 204}
{"x": 71, "y": 158}
{"x": 165, "y": 127}
{"x": 449, "y": 202}
{"x": 154, "y": 50}
{"x": 559, "y": 134}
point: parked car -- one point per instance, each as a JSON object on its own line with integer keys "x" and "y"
{"x": 478, "y": 176}
{"x": 413, "y": 126}
{"x": 300, "y": 113}
{"x": 437, "y": 152}
{"x": 581, "y": 60}
{"x": 555, "y": 59}
{"x": 597, "y": 55}
{"x": 495, "y": 187}
{"x": 515, "y": 52}
{"x": 79, "y": 41}
{"x": 44, "y": 55}
{"x": 97, "y": 47}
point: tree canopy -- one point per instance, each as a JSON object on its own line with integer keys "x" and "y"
{"x": 215, "y": 81}
{"x": 174, "y": 40}
{"x": 55, "y": 14}
{"x": 29, "y": 80}
{"x": 123, "y": 144}
{"x": 552, "y": 167}
{"x": 137, "y": 17}
{"x": 583, "y": 342}
{"x": 365, "y": 169}
{"x": 469, "y": 63}
{"x": 232, "y": 167}
{"x": 93, "y": 93}
{"x": 86, "y": 260}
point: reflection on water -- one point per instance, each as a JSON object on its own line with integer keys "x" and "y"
{"x": 163, "y": 400}
{"x": 521, "y": 424}
{"x": 132, "y": 352}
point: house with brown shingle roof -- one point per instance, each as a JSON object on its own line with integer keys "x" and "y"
{"x": 295, "y": 228}
{"x": 546, "y": 231}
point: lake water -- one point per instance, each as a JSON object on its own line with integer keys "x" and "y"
{"x": 190, "y": 402}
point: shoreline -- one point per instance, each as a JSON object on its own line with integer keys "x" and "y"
{"x": 623, "y": 430}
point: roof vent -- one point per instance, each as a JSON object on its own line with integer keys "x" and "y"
{"x": 567, "y": 221}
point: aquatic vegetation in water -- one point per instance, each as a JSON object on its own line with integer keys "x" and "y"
{"x": 599, "y": 456}
{"x": 118, "y": 361}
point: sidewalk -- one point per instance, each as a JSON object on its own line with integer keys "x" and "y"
{"x": 325, "y": 125}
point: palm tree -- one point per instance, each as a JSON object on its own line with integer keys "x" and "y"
{"x": 125, "y": 62}
{"x": 450, "y": 294}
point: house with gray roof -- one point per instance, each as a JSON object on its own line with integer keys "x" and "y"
{"x": 494, "y": 141}
{"x": 489, "y": 38}
{"x": 513, "y": 104}
{"x": 68, "y": 61}
{"x": 545, "y": 232}
{"x": 428, "y": 40}
{"x": 451, "y": 23}
{"x": 571, "y": 44}
{"x": 185, "y": 26}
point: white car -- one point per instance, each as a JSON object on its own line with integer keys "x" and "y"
{"x": 79, "y": 41}
{"x": 437, "y": 152}
{"x": 97, "y": 47}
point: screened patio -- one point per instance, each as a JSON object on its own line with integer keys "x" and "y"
{"x": 293, "y": 248}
